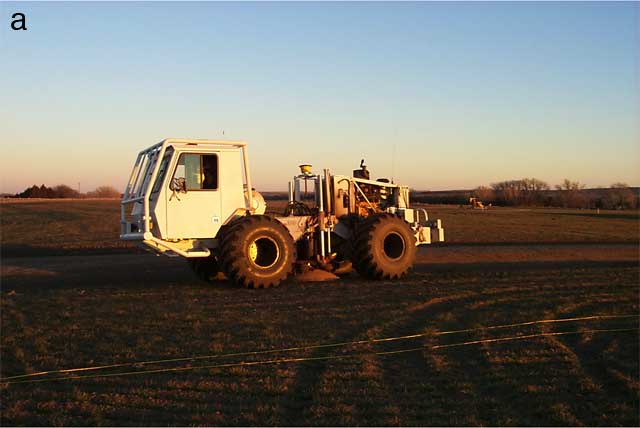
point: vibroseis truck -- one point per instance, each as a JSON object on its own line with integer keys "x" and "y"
{"x": 194, "y": 198}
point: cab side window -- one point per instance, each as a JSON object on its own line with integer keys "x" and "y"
{"x": 209, "y": 172}
{"x": 199, "y": 172}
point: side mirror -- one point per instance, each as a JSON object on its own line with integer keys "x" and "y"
{"x": 178, "y": 185}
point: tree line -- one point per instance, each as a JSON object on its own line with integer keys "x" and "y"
{"x": 523, "y": 192}
{"x": 62, "y": 191}
{"x": 534, "y": 192}
{"x": 568, "y": 194}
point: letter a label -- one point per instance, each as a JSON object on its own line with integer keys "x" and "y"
{"x": 19, "y": 21}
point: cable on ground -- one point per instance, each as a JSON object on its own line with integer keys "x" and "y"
{"x": 300, "y": 348}
{"x": 329, "y": 357}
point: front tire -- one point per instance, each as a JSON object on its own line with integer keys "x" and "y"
{"x": 257, "y": 252}
{"x": 385, "y": 247}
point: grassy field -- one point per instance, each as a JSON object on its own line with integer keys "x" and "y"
{"x": 80, "y": 227}
{"x": 536, "y": 225}
{"x": 55, "y": 227}
{"x": 92, "y": 306}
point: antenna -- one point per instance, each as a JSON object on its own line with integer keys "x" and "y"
{"x": 393, "y": 160}
{"x": 393, "y": 153}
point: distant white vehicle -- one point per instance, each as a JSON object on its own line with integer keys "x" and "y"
{"x": 191, "y": 198}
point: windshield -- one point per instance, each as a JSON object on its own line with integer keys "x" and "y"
{"x": 162, "y": 171}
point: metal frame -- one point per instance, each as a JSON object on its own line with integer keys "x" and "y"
{"x": 145, "y": 173}
{"x": 321, "y": 188}
{"x": 141, "y": 182}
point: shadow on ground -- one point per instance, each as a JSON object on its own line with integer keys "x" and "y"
{"x": 139, "y": 269}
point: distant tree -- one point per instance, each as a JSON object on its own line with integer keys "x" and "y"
{"x": 46, "y": 192}
{"x": 507, "y": 192}
{"x": 26, "y": 192}
{"x": 64, "y": 191}
{"x": 532, "y": 191}
{"x": 526, "y": 191}
{"x": 42, "y": 191}
{"x": 570, "y": 185}
{"x": 622, "y": 197}
{"x": 571, "y": 195}
{"x": 485, "y": 194}
{"x": 104, "y": 192}
{"x": 37, "y": 192}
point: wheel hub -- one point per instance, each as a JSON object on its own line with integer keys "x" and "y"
{"x": 264, "y": 252}
{"x": 394, "y": 246}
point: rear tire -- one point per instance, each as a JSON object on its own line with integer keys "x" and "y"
{"x": 206, "y": 268}
{"x": 257, "y": 252}
{"x": 385, "y": 247}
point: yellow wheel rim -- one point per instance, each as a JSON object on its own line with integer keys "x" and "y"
{"x": 264, "y": 252}
{"x": 253, "y": 251}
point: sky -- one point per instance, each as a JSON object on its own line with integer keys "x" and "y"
{"x": 436, "y": 95}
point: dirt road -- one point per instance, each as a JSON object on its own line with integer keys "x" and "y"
{"x": 133, "y": 268}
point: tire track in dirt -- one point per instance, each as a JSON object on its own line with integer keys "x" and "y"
{"x": 456, "y": 391}
{"x": 16, "y": 356}
{"x": 416, "y": 374}
{"x": 592, "y": 371}
{"x": 392, "y": 409}
{"x": 512, "y": 376}
{"x": 380, "y": 402}
{"x": 299, "y": 406}
{"x": 513, "y": 366}
{"x": 399, "y": 378}
{"x": 488, "y": 413}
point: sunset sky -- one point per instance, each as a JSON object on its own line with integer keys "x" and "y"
{"x": 464, "y": 94}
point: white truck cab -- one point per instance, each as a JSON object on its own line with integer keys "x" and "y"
{"x": 176, "y": 194}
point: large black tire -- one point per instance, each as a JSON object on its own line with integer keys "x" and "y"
{"x": 384, "y": 248}
{"x": 257, "y": 252}
{"x": 206, "y": 268}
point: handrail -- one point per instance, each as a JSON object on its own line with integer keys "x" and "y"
{"x": 130, "y": 200}
{"x": 143, "y": 169}
{"x": 373, "y": 182}
{"x": 204, "y": 252}
{"x": 247, "y": 175}
{"x": 152, "y": 180}
{"x": 133, "y": 172}
{"x": 213, "y": 142}
{"x": 363, "y": 195}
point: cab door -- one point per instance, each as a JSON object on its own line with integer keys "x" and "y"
{"x": 193, "y": 197}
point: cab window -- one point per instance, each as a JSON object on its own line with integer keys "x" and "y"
{"x": 199, "y": 171}
{"x": 161, "y": 173}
